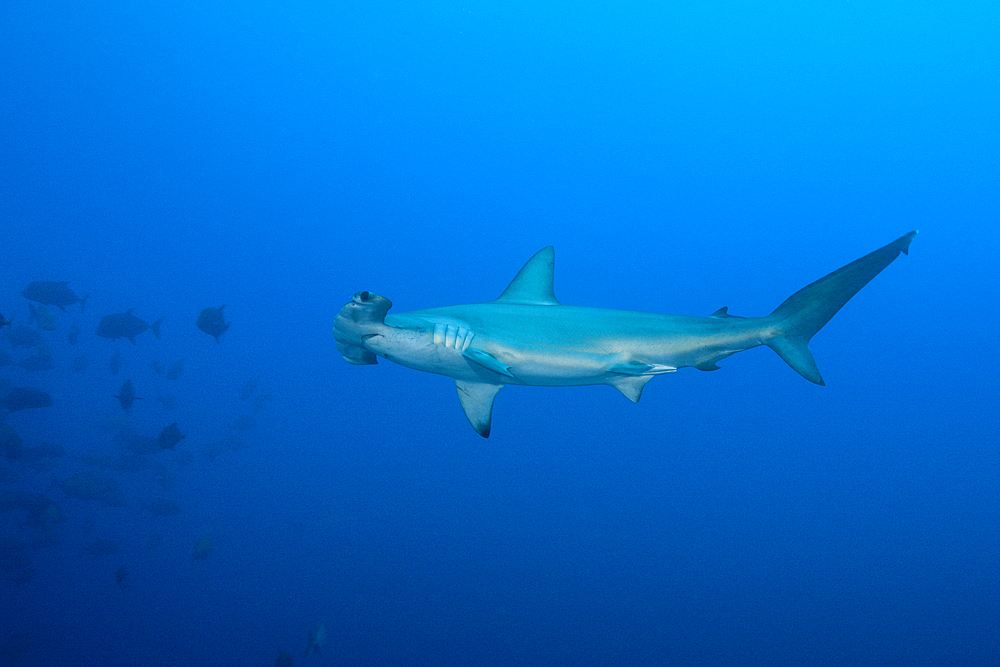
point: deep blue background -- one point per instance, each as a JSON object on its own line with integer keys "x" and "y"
{"x": 277, "y": 157}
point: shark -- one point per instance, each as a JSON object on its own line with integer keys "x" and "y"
{"x": 527, "y": 337}
{"x": 317, "y": 638}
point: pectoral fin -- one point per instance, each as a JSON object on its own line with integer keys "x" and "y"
{"x": 486, "y": 360}
{"x": 477, "y": 401}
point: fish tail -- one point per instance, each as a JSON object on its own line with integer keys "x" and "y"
{"x": 804, "y": 313}
{"x": 83, "y": 302}
{"x": 155, "y": 326}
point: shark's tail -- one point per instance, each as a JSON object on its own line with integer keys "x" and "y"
{"x": 804, "y": 313}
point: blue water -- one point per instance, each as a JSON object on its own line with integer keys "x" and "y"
{"x": 278, "y": 157}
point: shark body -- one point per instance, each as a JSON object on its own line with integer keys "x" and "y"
{"x": 526, "y": 337}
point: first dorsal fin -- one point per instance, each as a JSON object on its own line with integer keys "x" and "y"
{"x": 533, "y": 283}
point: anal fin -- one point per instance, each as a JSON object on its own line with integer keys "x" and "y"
{"x": 477, "y": 401}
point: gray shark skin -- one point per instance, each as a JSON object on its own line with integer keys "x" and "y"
{"x": 526, "y": 337}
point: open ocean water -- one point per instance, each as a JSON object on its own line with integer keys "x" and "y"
{"x": 277, "y": 157}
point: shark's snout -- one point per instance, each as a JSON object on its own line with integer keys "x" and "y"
{"x": 361, "y": 318}
{"x": 366, "y": 307}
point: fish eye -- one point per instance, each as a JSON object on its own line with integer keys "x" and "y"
{"x": 365, "y": 295}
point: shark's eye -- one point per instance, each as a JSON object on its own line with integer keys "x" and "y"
{"x": 365, "y": 295}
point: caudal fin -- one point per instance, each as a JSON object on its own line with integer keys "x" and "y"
{"x": 804, "y": 313}
{"x": 155, "y": 326}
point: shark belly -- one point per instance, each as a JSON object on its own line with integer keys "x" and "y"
{"x": 451, "y": 345}
{"x": 425, "y": 345}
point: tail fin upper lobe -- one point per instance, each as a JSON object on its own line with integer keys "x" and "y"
{"x": 804, "y": 313}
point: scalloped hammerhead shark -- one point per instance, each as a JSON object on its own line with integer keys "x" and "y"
{"x": 527, "y": 337}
